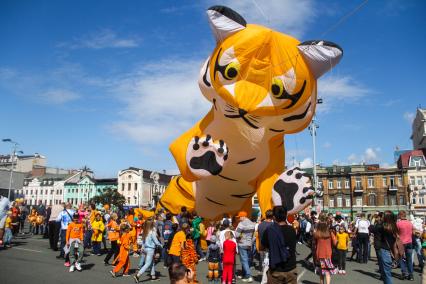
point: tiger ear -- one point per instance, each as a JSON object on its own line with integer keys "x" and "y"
{"x": 320, "y": 55}
{"x": 224, "y": 22}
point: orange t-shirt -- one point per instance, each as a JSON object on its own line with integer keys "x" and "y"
{"x": 125, "y": 241}
{"x": 176, "y": 246}
{"x": 75, "y": 231}
{"x": 113, "y": 230}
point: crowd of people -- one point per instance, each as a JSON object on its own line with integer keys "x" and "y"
{"x": 181, "y": 242}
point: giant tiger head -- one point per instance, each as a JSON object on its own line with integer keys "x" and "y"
{"x": 262, "y": 77}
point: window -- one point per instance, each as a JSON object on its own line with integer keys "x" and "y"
{"x": 370, "y": 182}
{"x": 346, "y": 183}
{"x": 31, "y": 191}
{"x": 136, "y": 186}
{"x": 122, "y": 186}
{"x": 414, "y": 200}
{"x": 392, "y": 200}
{"x": 419, "y": 180}
{"x": 129, "y": 186}
{"x": 386, "y": 200}
{"x": 330, "y": 184}
{"x": 128, "y": 200}
{"x": 339, "y": 186}
{"x": 348, "y": 202}
{"x": 421, "y": 200}
{"x": 384, "y": 182}
{"x": 331, "y": 202}
{"x": 399, "y": 181}
{"x": 319, "y": 202}
{"x": 50, "y": 202}
{"x": 392, "y": 182}
{"x": 358, "y": 183}
{"x": 372, "y": 200}
{"x": 358, "y": 201}
{"x": 339, "y": 201}
{"x": 412, "y": 181}
{"x": 45, "y": 192}
{"x": 401, "y": 200}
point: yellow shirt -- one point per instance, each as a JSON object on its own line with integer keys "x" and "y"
{"x": 342, "y": 241}
{"x": 8, "y": 223}
{"x": 98, "y": 228}
{"x": 176, "y": 246}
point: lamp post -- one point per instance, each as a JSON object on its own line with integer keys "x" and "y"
{"x": 15, "y": 145}
{"x": 313, "y": 131}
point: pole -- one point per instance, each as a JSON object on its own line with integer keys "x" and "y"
{"x": 11, "y": 169}
{"x": 313, "y": 130}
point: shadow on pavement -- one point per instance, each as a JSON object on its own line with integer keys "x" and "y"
{"x": 309, "y": 282}
{"x": 368, "y": 273}
{"x": 87, "y": 266}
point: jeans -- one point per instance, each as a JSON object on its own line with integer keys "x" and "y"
{"x": 407, "y": 262}
{"x": 146, "y": 260}
{"x": 7, "y": 236}
{"x": 54, "y": 228}
{"x": 363, "y": 241}
{"x": 244, "y": 259}
{"x": 387, "y": 266}
{"x": 80, "y": 250}
{"x": 88, "y": 239}
{"x": 341, "y": 253}
{"x": 63, "y": 241}
{"x": 197, "y": 245}
{"x": 96, "y": 248}
{"x": 379, "y": 260}
{"x": 418, "y": 251}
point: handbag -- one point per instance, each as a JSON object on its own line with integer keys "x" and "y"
{"x": 397, "y": 250}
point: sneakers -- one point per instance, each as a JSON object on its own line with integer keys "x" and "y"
{"x": 113, "y": 274}
{"x": 136, "y": 278}
{"x": 67, "y": 264}
{"x": 249, "y": 280}
{"x": 72, "y": 268}
{"x": 202, "y": 259}
{"x": 78, "y": 266}
{"x": 154, "y": 278}
{"x": 410, "y": 277}
{"x": 344, "y": 272}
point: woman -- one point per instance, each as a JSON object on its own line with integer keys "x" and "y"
{"x": 324, "y": 240}
{"x": 150, "y": 241}
{"x": 388, "y": 233}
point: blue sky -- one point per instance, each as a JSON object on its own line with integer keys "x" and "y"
{"x": 110, "y": 84}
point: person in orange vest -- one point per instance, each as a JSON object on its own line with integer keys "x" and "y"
{"x": 74, "y": 240}
{"x": 133, "y": 237}
{"x": 113, "y": 236}
{"x": 123, "y": 257}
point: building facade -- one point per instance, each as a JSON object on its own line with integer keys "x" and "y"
{"x": 414, "y": 163}
{"x": 419, "y": 130}
{"x": 142, "y": 187}
{"x": 22, "y": 163}
{"x": 361, "y": 188}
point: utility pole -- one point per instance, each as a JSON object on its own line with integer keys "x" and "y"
{"x": 313, "y": 131}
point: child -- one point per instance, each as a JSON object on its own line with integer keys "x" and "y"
{"x": 123, "y": 257}
{"x": 113, "y": 236}
{"x": 213, "y": 258}
{"x": 229, "y": 252}
{"x": 74, "y": 237}
{"x": 32, "y": 218}
{"x": 342, "y": 248}
{"x": 98, "y": 228}
{"x": 324, "y": 240}
{"x": 8, "y": 235}
{"x": 189, "y": 255}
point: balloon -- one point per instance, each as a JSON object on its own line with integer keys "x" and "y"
{"x": 261, "y": 85}
{"x": 106, "y": 206}
{"x": 290, "y": 218}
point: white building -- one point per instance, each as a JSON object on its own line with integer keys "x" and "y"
{"x": 22, "y": 163}
{"x": 141, "y": 187}
{"x": 419, "y": 130}
{"x": 49, "y": 189}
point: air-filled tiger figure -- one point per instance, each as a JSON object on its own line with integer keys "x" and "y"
{"x": 262, "y": 86}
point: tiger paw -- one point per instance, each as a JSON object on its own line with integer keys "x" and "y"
{"x": 293, "y": 190}
{"x": 205, "y": 156}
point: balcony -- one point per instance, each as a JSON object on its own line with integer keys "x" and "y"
{"x": 358, "y": 190}
{"x": 392, "y": 189}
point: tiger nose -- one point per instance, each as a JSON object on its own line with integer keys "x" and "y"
{"x": 242, "y": 112}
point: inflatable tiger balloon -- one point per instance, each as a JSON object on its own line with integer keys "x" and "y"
{"x": 262, "y": 85}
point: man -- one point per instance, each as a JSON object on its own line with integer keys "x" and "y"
{"x": 245, "y": 236}
{"x": 197, "y": 235}
{"x": 280, "y": 239}
{"x": 263, "y": 252}
{"x": 41, "y": 211}
{"x": 65, "y": 217}
{"x": 55, "y": 226}
{"x": 405, "y": 228}
{"x": 178, "y": 243}
{"x": 4, "y": 208}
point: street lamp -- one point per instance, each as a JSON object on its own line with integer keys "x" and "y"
{"x": 15, "y": 145}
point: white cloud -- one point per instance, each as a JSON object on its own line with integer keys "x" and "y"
{"x": 58, "y": 96}
{"x": 409, "y": 116}
{"x": 327, "y": 145}
{"x": 306, "y": 163}
{"x": 335, "y": 90}
{"x": 290, "y": 17}
{"x": 161, "y": 101}
{"x": 353, "y": 159}
{"x": 104, "y": 38}
{"x": 370, "y": 155}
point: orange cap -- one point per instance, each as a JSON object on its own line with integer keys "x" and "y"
{"x": 242, "y": 214}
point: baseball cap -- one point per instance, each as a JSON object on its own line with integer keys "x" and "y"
{"x": 242, "y": 214}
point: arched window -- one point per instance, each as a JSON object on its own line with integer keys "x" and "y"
{"x": 372, "y": 200}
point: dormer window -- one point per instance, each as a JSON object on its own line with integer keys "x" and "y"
{"x": 417, "y": 161}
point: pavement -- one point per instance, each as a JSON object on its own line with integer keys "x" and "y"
{"x": 31, "y": 261}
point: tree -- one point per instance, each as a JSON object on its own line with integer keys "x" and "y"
{"x": 110, "y": 196}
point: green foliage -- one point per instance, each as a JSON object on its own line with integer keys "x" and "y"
{"x": 111, "y": 197}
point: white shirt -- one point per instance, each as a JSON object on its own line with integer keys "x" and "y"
{"x": 362, "y": 226}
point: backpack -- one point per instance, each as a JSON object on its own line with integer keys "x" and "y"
{"x": 278, "y": 249}
{"x": 398, "y": 249}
